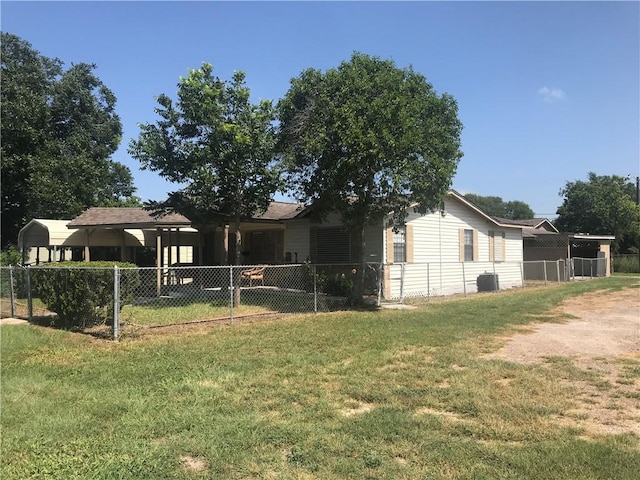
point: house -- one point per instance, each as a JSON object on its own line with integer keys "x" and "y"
{"x": 443, "y": 252}
{"x": 440, "y": 253}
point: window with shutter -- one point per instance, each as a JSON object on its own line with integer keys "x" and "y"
{"x": 333, "y": 245}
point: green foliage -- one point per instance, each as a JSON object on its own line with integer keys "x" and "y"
{"x": 602, "y": 205}
{"x": 496, "y": 207}
{"x": 10, "y": 256}
{"x": 82, "y": 295}
{"x": 218, "y": 143}
{"x": 59, "y": 129}
{"x": 626, "y": 263}
{"x": 368, "y": 138}
{"x": 337, "y": 284}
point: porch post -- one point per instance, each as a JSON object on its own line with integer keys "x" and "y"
{"x": 87, "y": 255}
{"x": 123, "y": 246}
{"x": 178, "y": 245}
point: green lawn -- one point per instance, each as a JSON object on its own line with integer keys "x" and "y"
{"x": 392, "y": 394}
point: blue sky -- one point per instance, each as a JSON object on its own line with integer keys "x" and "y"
{"x": 547, "y": 91}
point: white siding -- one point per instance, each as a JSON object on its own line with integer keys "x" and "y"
{"x": 436, "y": 267}
{"x": 296, "y": 240}
{"x": 436, "y": 237}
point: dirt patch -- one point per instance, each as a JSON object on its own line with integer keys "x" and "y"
{"x": 601, "y": 337}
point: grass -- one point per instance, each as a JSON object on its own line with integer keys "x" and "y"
{"x": 389, "y": 394}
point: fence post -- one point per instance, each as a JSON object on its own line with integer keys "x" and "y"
{"x": 116, "y": 302}
{"x": 428, "y": 280}
{"x": 315, "y": 289}
{"x": 521, "y": 265}
{"x": 401, "y": 282}
{"x": 380, "y": 273}
{"x": 231, "y": 288}
{"x": 464, "y": 280}
{"x": 29, "y": 295}
{"x": 11, "y": 292}
{"x": 558, "y": 269}
{"x": 544, "y": 266}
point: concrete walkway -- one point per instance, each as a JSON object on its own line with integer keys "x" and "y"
{"x": 13, "y": 321}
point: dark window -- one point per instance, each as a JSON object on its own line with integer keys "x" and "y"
{"x": 333, "y": 245}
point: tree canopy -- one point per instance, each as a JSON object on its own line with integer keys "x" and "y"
{"x": 496, "y": 207}
{"x": 59, "y": 129}
{"x": 368, "y": 138}
{"x": 214, "y": 140}
{"x": 602, "y": 205}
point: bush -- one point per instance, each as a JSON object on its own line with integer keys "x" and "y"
{"x": 626, "y": 264}
{"x": 82, "y": 294}
{"x": 10, "y": 256}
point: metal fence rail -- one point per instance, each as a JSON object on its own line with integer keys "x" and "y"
{"x": 154, "y": 297}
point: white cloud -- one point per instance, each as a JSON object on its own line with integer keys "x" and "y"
{"x": 552, "y": 94}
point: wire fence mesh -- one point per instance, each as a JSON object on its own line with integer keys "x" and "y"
{"x": 152, "y": 297}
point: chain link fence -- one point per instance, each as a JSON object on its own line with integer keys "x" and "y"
{"x": 149, "y": 297}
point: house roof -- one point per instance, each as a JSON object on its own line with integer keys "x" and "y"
{"x": 122, "y": 217}
{"x": 462, "y": 199}
{"x": 281, "y": 211}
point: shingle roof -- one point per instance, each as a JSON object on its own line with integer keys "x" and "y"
{"x": 122, "y": 217}
{"x": 281, "y": 211}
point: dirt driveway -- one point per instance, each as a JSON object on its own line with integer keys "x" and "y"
{"x": 600, "y": 336}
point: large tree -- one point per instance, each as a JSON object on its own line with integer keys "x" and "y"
{"x": 59, "y": 129}
{"x": 367, "y": 139}
{"x": 604, "y": 205}
{"x": 216, "y": 142}
{"x": 496, "y": 207}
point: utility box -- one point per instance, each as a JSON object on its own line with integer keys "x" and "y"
{"x": 488, "y": 282}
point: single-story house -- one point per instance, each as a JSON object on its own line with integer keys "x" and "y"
{"x": 443, "y": 252}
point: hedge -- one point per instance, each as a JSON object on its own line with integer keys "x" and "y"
{"x": 82, "y": 294}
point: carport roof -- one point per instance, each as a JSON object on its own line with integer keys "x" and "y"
{"x": 123, "y": 217}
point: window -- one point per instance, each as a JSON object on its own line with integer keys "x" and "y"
{"x": 400, "y": 245}
{"x": 332, "y": 245}
{"x": 496, "y": 246}
{"x": 468, "y": 246}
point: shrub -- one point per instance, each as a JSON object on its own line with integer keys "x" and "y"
{"x": 626, "y": 264}
{"x": 82, "y": 295}
{"x": 10, "y": 256}
{"x": 337, "y": 284}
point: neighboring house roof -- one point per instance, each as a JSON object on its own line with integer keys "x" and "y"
{"x": 123, "y": 217}
{"x": 535, "y": 223}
